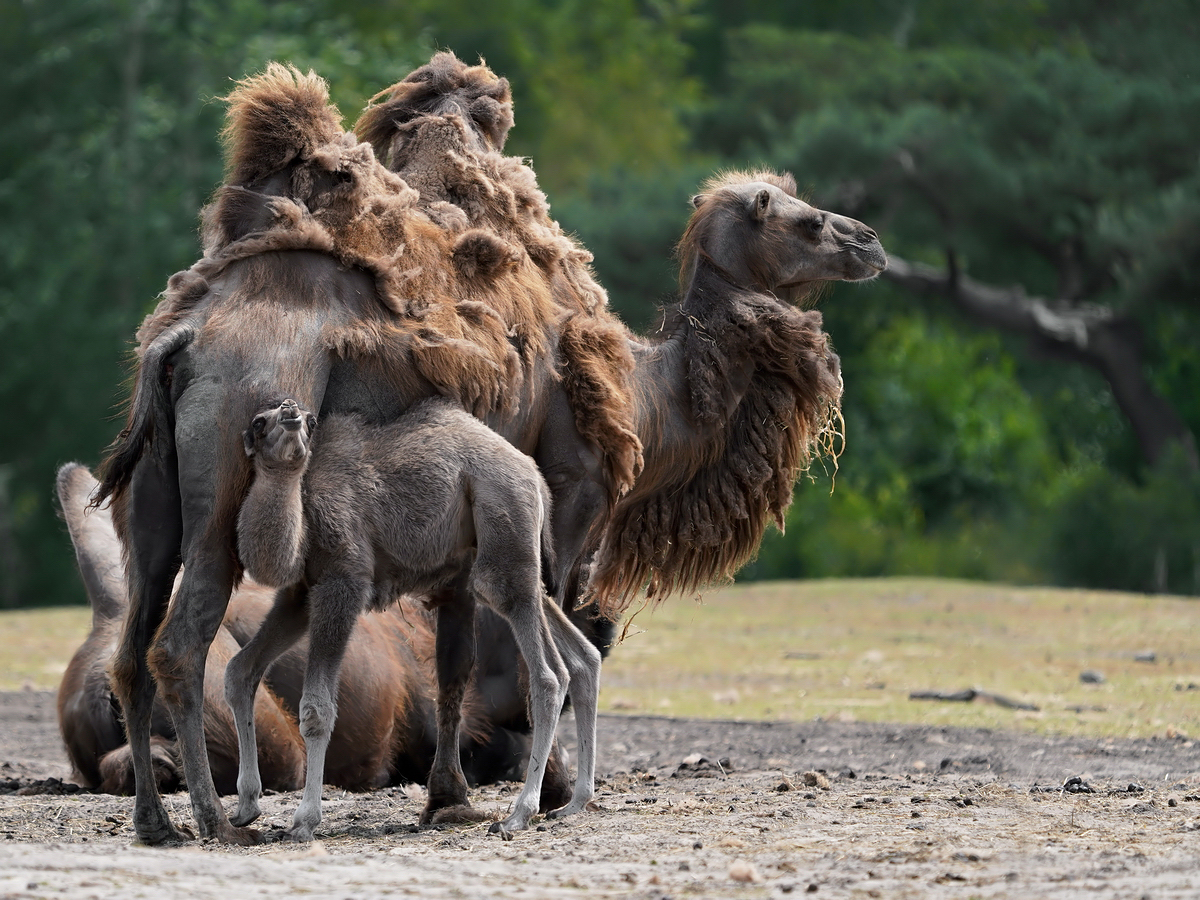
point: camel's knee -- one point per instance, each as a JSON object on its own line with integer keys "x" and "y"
{"x": 584, "y": 661}
{"x": 508, "y": 589}
{"x": 239, "y": 678}
{"x": 316, "y": 718}
{"x": 128, "y": 680}
{"x": 177, "y": 674}
{"x": 551, "y": 682}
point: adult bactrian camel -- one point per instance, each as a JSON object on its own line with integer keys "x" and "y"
{"x": 324, "y": 282}
{"x": 443, "y": 129}
{"x": 410, "y": 506}
{"x": 719, "y": 468}
{"x": 385, "y": 733}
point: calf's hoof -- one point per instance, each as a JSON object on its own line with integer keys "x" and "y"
{"x": 501, "y": 829}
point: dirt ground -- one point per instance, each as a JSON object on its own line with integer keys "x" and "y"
{"x": 685, "y": 808}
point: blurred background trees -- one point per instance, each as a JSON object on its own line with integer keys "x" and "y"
{"x": 1021, "y": 397}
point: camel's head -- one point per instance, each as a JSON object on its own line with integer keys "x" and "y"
{"x": 755, "y": 228}
{"x": 280, "y": 436}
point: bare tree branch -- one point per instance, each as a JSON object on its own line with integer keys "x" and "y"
{"x": 1086, "y": 333}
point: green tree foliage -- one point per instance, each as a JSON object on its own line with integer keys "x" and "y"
{"x": 1051, "y": 157}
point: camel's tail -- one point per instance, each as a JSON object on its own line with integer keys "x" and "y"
{"x": 549, "y": 563}
{"x": 444, "y": 86}
{"x": 273, "y": 118}
{"x": 148, "y": 419}
{"x": 97, "y": 550}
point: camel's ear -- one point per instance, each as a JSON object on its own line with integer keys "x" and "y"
{"x": 697, "y": 200}
{"x": 762, "y": 203}
{"x": 248, "y": 442}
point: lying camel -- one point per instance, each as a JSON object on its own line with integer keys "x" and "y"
{"x": 385, "y": 731}
{"x": 364, "y": 513}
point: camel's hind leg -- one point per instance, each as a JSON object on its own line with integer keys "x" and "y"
{"x": 507, "y": 576}
{"x": 582, "y": 660}
{"x": 178, "y": 658}
{"x": 334, "y": 605}
{"x": 284, "y": 625}
{"x": 153, "y": 541}
{"x": 547, "y": 691}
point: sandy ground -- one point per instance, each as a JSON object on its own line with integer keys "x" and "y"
{"x": 685, "y": 808}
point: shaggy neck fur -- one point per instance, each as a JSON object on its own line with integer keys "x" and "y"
{"x": 270, "y": 526}
{"x": 731, "y": 406}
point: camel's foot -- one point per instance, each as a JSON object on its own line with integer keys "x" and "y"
{"x": 570, "y": 809}
{"x": 299, "y": 834}
{"x": 246, "y": 812}
{"x": 153, "y": 826}
{"x": 163, "y": 834}
{"x": 456, "y": 815}
{"x": 436, "y": 803}
{"x": 228, "y": 833}
{"x": 518, "y": 821}
{"x": 498, "y": 828}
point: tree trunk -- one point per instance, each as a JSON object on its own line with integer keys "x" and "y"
{"x": 1093, "y": 335}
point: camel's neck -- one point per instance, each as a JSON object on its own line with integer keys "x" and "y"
{"x": 271, "y": 525}
{"x": 730, "y": 406}
{"x": 691, "y": 383}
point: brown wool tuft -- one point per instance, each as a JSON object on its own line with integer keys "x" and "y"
{"x": 479, "y": 254}
{"x": 712, "y": 525}
{"x": 274, "y": 118}
{"x": 445, "y": 86}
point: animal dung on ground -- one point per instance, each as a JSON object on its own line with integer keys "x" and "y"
{"x": 816, "y": 779}
{"x": 1092, "y": 676}
{"x": 972, "y": 695}
{"x": 744, "y": 871}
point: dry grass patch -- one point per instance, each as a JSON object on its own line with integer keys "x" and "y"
{"x": 36, "y": 645}
{"x": 855, "y": 649}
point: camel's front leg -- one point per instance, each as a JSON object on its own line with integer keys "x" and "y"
{"x": 155, "y": 529}
{"x": 177, "y": 659}
{"x": 334, "y": 606}
{"x": 283, "y": 626}
{"x": 455, "y": 664}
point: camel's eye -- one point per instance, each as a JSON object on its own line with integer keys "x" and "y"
{"x": 814, "y": 226}
{"x": 259, "y": 425}
{"x": 312, "y": 423}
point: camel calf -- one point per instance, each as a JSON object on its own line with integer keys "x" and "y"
{"x": 364, "y": 513}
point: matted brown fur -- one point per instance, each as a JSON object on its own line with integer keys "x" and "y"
{"x": 479, "y": 95}
{"x": 468, "y": 315}
{"x": 710, "y": 526}
{"x": 442, "y": 129}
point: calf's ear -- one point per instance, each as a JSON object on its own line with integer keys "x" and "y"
{"x": 248, "y": 443}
